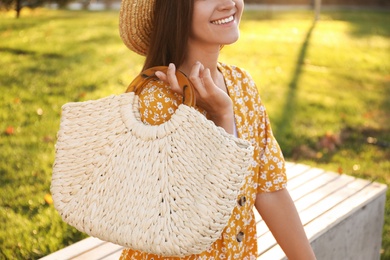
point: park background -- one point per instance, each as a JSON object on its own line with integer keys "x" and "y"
{"x": 325, "y": 83}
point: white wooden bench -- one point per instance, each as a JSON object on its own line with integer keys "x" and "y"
{"x": 343, "y": 218}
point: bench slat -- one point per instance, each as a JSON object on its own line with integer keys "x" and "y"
{"x": 104, "y": 250}
{"x": 333, "y": 217}
{"x": 294, "y": 169}
{"x": 322, "y": 192}
{"x": 308, "y": 187}
{"x": 332, "y": 200}
{"x": 318, "y": 205}
{"x": 302, "y": 178}
{"x": 307, "y": 198}
{"x": 75, "y": 249}
{"x": 113, "y": 256}
{"x": 345, "y": 208}
{"x": 307, "y": 173}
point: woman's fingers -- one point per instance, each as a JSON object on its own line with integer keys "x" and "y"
{"x": 196, "y": 78}
{"x": 209, "y": 95}
{"x": 161, "y": 76}
{"x": 208, "y": 81}
{"x": 172, "y": 79}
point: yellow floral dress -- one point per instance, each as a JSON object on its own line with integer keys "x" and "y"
{"x": 238, "y": 240}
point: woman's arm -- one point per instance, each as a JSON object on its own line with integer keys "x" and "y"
{"x": 279, "y": 213}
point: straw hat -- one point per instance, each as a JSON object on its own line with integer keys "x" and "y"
{"x": 136, "y": 23}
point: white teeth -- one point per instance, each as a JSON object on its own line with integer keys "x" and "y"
{"x": 223, "y": 21}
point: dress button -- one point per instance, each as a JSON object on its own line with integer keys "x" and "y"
{"x": 242, "y": 201}
{"x": 240, "y": 236}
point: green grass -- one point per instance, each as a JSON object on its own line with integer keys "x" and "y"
{"x": 328, "y": 79}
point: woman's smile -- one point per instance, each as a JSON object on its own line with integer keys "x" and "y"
{"x": 223, "y": 20}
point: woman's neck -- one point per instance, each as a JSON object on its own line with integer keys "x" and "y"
{"x": 209, "y": 59}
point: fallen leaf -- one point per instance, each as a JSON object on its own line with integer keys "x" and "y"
{"x": 82, "y": 95}
{"x": 48, "y": 198}
{"x": 329, "y": 142}
{"x": 304, "y": 151}
{"x": 10, "y": 130}
{"x": 48, "y": 139}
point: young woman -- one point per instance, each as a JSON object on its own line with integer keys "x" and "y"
{"x": 188, "y": 35}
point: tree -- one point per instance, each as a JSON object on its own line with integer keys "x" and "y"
{"x": 17, "y": 5}
{"x": 18, "y": 8}
{"x": 317, "y": 9}
{"x": 6, "y": 4}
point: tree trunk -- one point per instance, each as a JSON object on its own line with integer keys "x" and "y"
{"x": 18, "y": 8}
{"x": 317, "y": 9}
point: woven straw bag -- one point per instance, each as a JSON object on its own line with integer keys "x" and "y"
{"x": 167, "y": 189}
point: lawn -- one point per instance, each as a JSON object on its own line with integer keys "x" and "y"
{"x": 326, "y": 86}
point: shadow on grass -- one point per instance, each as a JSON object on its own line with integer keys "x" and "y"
{"x": 22, "y": 24}
{"x": 17, "y": 51}
{"x": 26, "y": 22}
{"x": 283, "y": 125}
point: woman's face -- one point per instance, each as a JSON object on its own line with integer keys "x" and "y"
{"x": 215, "y": 22}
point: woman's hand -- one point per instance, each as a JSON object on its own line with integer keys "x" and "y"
{"x": 209, "y": 96}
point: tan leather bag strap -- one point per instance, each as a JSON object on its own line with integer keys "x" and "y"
{"x": 148, "y": 75}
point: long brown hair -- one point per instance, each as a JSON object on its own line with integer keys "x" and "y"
{"x": 171, "y": 29}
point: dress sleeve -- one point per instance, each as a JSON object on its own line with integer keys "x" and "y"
{"x": 157, "y": 103}
{"x": 271, "y": 175}
{"x": 272, "y": 169}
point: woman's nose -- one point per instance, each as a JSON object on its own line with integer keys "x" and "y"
{"x": 226, "y": 4}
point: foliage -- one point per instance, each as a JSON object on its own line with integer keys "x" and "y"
{"x": 18, "y": 5}
{"x": 11, "y": 4}
{"x": 326, "y": 87}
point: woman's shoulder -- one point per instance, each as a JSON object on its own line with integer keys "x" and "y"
{"x": 234, "y": 70}
{"x": 236, "y": 75}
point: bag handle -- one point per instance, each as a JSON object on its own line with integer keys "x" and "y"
{"x": 147, "y": 75}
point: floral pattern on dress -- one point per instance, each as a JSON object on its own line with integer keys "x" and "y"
{"x": 157, "y": 103}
